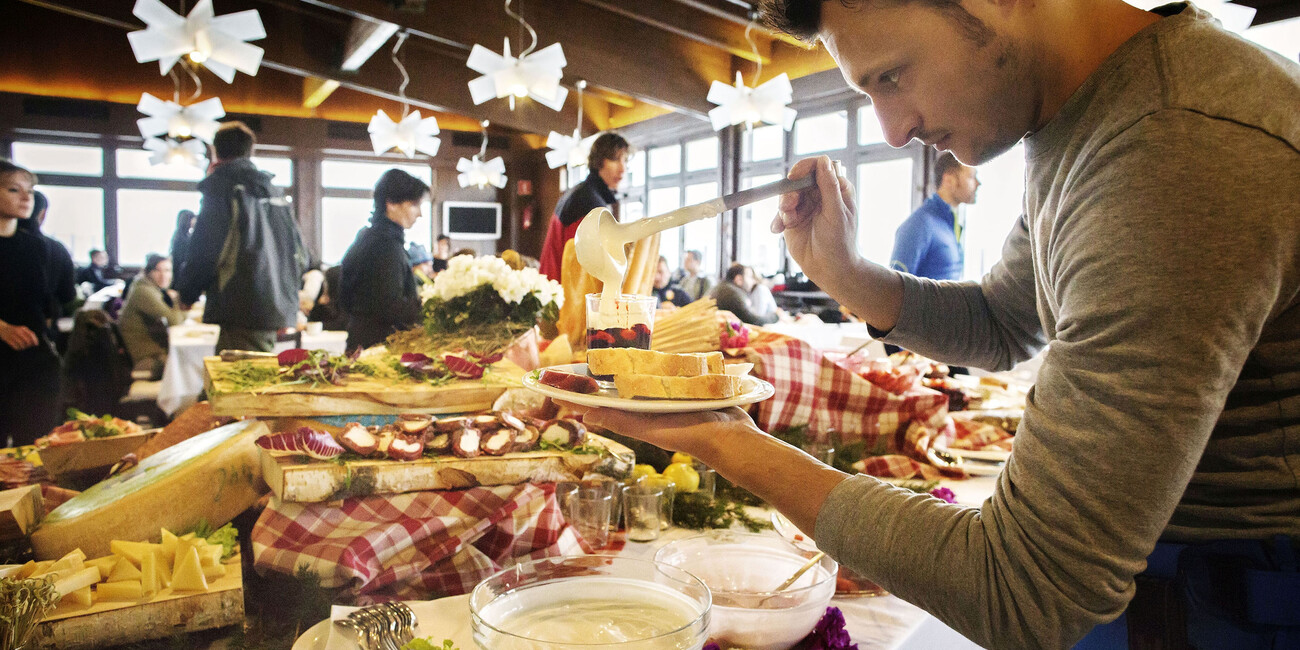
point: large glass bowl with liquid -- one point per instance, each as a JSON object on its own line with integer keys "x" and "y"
{"x": 590, "y": 602}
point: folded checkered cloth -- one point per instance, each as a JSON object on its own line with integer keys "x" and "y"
{"x": 827, "y": 392}
{"x": 414, "y": 545}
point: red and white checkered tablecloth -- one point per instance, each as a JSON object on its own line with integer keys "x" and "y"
{"x": 414, "y": 545}
{"x": 827, "y": 393}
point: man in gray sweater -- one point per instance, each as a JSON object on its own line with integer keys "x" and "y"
{"x": 1158, "y": 255}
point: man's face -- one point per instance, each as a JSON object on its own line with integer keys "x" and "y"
{"x": 612, "y": 170}
{"x": 162, "y": 274}
{"x": 661, "y": 275}
{"x": 99, "y": 259}
{"x": 444, "y": 249}
{"x": 404, "y": 214}
{"x": 965, "y": 183}
{"x": 945, "y": 77}
{"x": 16, "y": 196}
{"x": 691, "y": 264}
{"x": 750, "y": 280}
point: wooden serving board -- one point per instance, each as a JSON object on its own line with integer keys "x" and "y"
{"x": 91, "y": 454}
{"x": 20, "y": 509}
{"x": 296, "y": 478}
{"x": 111, "y": 623}
{"x": 361, "y": 395}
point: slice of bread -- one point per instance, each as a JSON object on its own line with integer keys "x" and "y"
{"x": 632, "y": 361}
{"x": 711, "y": 386}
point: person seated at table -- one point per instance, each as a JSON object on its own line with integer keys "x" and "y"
{"x": 377, "y": 289}
{"x": 150, "y": 308}
{"x": 421, "y": 263}
{"x": 441, "y": 253}
{"x": 99, "y": 274}
{"x": 760, "y": 296}
{"x": 696, "y": 283}
{"x": 669, "y": 293}
{"x": 732, "y": 295}
{"x": 326, "y": 311}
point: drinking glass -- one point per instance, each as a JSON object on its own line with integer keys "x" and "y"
{"x": 627, "y": 323}
{"x": 643, "y": 512}
{"x": 666, "y": 503}
{"x": 589, "y": 513}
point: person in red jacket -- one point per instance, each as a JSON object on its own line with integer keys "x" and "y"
{"x": 607, "y": 162}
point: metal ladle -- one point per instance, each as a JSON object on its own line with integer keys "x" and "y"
{"x": 600, "y": 239}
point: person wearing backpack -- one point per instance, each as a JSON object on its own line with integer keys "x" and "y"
{"x": 246, "y": 252}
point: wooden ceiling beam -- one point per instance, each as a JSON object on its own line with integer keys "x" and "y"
{"x": 739, "y": 14}
{"x": 701, "y": 28}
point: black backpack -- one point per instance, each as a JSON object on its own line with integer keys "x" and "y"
{"x": 262, "y": 260}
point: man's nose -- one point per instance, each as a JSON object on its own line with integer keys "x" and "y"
{"x": 898, "y": 122}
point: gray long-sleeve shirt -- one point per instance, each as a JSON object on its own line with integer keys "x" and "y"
{"x": 1159, "y": 255}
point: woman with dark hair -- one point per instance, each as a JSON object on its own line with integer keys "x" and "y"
{"x": 150, "y": 308}
{"x": 185, "y": 220}
{"x": 29, "y": 366}
{"x": 61, "y": 273}
{"x": 377, "y": 289}
{"x": 607, "y": 163}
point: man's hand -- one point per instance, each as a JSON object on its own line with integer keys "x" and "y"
{"x": 820, "y": 223}
{"x": 18, "y": 337}
{"x": 692, "y": 433}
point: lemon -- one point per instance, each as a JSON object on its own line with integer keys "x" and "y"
{"x": 679, "y": 457}
{"x": 683, "y": 476}
{"x": 643, "y": 470}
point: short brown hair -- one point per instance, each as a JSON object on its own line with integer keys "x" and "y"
{"x": 734, "y": 271}
{"x": 233, "y": 140}
{"x": 944, "y": 165}
{"x": 802, "y": 19}
{"x": 606, "y": 147}
{"x": 7, "y": 167}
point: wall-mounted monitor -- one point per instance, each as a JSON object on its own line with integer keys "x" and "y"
{"x": 471, "y": 220}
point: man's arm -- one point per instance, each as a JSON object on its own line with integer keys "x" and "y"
{"x": 205, "y": 246}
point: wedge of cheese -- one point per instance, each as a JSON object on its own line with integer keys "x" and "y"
{"x": 123, "y": 590}
{"x": 188, "y": 575}
{"x": 213, "y": 476}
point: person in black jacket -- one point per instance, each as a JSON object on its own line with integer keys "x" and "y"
{"x": 61, "y": 273}
{"x": 377, "y": 288}
{"x": 251, "y": 272}
{"x": 180, "y": 247}
{"x": 100, "y": 273}
{"x": 29, "y": 366}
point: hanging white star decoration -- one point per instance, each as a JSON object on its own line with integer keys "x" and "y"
{"x": 408, "y": 136}
{"x": 172, "y": 152}
{"x": 216, "y": 42}
{"x": 474, "y": 171}
{"x": 740, "y": 104}
{"x": 176, "y": 121}
{"x": 536, "y": 75}
{"x": 568, "y": 150}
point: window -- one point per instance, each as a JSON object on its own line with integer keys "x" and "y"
{"x": 701, "y": 235}
{"x": 825, "y": 132}
{"x": 281, "y": 167}
{"x": 75, "y": 218}
{"x": 758, "y": 247}
{"x": 869, "y": 129}
{"x": 343, "y": 217}
{"x": 660, "y": 201}
{"x": 577, "y": 174}
{"x": 764, "y": 143}
{"x": 146, "y": 220}
{"x": 134, "y": 163}
{"x": 354, "y": 175}
{"x": 59, "y": 158}
{"x": 884, "y": 193}
{"x": 635, "y": 176}
{"x": 998, "y": 204}
{"x": 631, "y": 211}
{"x": 665, "y": 161}
{"x": 702, "y": 154}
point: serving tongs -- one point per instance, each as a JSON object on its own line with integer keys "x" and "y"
{"x": 387, "y": 626}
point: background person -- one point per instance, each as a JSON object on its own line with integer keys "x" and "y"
{"x": 150, "y": 308}
{"x": 61, "y": 273}
{"x": 931, "y": 242}
{"x": 607, "y": 163}
{"x": 441, "y": 253}
{"x": 185, "y": 220}
{"x": 377, "y": 288}
{"x": 252, "y": 293}
{"x": 421, "y": 264}
{"x": 665, "y": 289}
{"x": 696, "y": 283}
{"x": 30, "y": 382}
{"x": 732, "y": 295}
{"x": 99, "y": 274}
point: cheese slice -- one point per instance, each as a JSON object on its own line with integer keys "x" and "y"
{"x": 80, "y": 597}
{"x": 104, "y": 564}
{"x": 213, "y": 476}
{"x": 78, "y": 580}
{"x": 150, "y": 583}
{"x": 213, "y": 572}
{"x": 169, "y": 544}
{"x": 124, "y": 590}
{"x": 210, "y": 554}
{"x": 123, "y": 570}
{"x": 164, "y": 569}
{"x": 188, "y": 575}
{"x": 133, "y": 551}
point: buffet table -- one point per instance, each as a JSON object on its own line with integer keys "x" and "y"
{"x": 182, "y": 378}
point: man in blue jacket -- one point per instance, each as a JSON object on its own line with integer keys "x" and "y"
{"x": 930, "y": 244}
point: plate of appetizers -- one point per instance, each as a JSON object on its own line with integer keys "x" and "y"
{"x": 649, "y": 393}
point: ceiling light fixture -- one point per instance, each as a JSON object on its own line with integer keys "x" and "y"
{"x": 166, "y": 151}
{"x": 570, "y": 150}
{"x": 740, "y": 104}
{"x": 215, "y": 42}
{"x": 409, "y": 134}
{"x": 474, "y": 171}
{"x": 531, "y": 74}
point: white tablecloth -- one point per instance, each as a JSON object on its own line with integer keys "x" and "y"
{"x": 100, "y": 298}
{"x": 182, "y": 378}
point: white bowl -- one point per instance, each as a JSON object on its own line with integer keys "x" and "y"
{"x": 741, "y": 570}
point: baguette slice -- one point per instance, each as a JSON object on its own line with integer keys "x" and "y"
{"x": 710, "y": 386}
{"x": 633, "y": 361}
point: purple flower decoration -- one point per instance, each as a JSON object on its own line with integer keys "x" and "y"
{"x": 944, "y": 493}
{"x": 829, "y": 634}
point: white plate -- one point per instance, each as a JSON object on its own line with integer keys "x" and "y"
{"x": 991, "y": 455}
{"x": 445, "y": 618}
{"x": 754, "y": 390}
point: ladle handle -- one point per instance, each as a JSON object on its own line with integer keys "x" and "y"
{"x": 756, "y": 194}
{"x": 651, "y": 225}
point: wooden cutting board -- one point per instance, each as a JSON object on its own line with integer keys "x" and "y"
{"x": 111, "y": 623}
{"x": 298, "y": 479}
{"x": 361, "y": 395}
{"x": 91, "y": 454}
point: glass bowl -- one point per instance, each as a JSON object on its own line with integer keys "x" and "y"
{"x": 741, "y": 570}
{"x": 589, "y": 602}
{"x": 849, "y": 583}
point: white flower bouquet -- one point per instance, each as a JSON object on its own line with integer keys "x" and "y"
{"x": 484, "y": 298}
